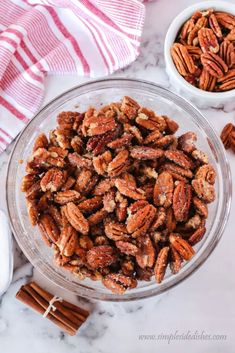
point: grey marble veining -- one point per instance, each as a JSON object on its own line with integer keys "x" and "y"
{"x": 204, "y": 302}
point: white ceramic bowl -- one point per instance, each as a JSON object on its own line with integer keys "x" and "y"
{"x": 195, "y": 94}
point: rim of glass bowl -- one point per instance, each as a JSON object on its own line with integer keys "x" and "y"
{"x": 219, "y": 154}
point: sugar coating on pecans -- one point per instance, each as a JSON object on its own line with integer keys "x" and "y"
{"x": 204, "y": 52}
{"x": 117, "y": 195}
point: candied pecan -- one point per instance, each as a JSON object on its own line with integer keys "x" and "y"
{"x": 121, "y": 207}
{"x": 214, "y": 64}
{"x": 66, "y": 119}
{"x": 204, "y": 190}
{"x": 182, "y": 201}
{"x": 98, "y": 124}
{"x": 116, "y": 231}
{"x": 109, "y": 201}
{"x": 207, "y": 173}
{"x": 44, "y": 201}
{"x": 63, "y": 197}
{"x": 126, "y": 247}
{"x": 193, "y": 222}
{"x": 76, "y": 218}
{"x": 134, "y": 131}
{"x": 170, "y": 220}
{"x": 68, "y": 184}
{"x": 27, "y": 181}
{"x": 97, "y": 217}
{"x": 67, "y": 241}
{"x": 144, "y": 274}
{"x": 136, "y": 206}
{"x": 176, "y": 171}
{"x": 129, "y": 107}
{"x": 186, "y": 142}
{"x": 149, "y": 172}
{"x": 171, "y": 125}
{"x": 145, "y": 256}
{"x": 52, "y": 180}
{"x": 40, "y": 142}
{"x": 179, "y": 158}
{"x": 143, "y": 153}
{"x": 79, "y": 161}
{"x": 90, "y": 205}
{"x": 86, "y": 181}
{"x": 183, "y": 61}
{"x": 119, "y": 164}
{"x": 149, "y": 120}
{"x": 139, "y": 223}
{"x": 227, "y": 82}
{"x": 200, "y": 156}
{"x": 213, "y": 22}
{"x": 152, "y": 137}
{"x": 42, "y": 158}
{"x": 118, "y": 283}
{"x": 63, "y": 137}
{"x": 77, "y": 144}
{"x": 160, "y": 219}
{"x": 163, "y": 190}
{"x": 128, "y": 267}
{"x": 33, "y": 212}
{"x": 55, "y": 214}
{"x": 101, "y": 162}
{"x": 123, "y": 141}
{"x": 97, "y": 144}
{"x": 181, "y": 246}
{"x": 165, "y": 141}
{"x": 197, "y": 235}
{"x": 128, "y": 190}
{"x": 101, "y": 256}
{"x": 34, "y": 191}
{"x": 85, "y": 242}
{"x": 208, "y": 40}
{"x": 101, "y": 240}
{"x": 103, "y": 186}
{"x": 175, "y": 260}
{"x": 48, "y": 228}
{"x": 226, "y": 135}
{"x": 161, "y": 264}
{"x": 200, "y": 207}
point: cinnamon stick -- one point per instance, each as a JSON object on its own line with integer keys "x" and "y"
{"x": 67, "y": 316}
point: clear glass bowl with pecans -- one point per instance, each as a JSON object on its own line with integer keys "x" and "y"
{"x": 125, "y": 198}
{"x": 200, "y": 54}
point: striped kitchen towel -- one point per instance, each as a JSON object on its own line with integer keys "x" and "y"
{"x": 40, "y": 37}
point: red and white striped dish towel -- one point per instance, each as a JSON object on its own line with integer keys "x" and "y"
{"x": 40, "y": 37}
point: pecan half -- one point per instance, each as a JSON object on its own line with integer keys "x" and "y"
{"x": 48, "y": 228}
{"x": 119, "y": 164}
{"x": 183, "y": 61}
{"x": 76, "y": 218}
{"x": 227, "y": 82}
{"x": 227, "y": 53}
{"x": 116, "y": 231}
{"x": 163, "y": 190}
{"x": 52, "y": 180}
{"x": 181, "y": 246}
{"x": 161, "y": 264}
{"x": 143, "y": 153}
{"x": 178, "y": 157}
{"x": 207, "y": 82}
{"x": 150, "y": 121}
{"x": 129, "y": 107}
{"x": 63, "y": 197}
{"x": 214, "y": 64}
{"x": 119, "y": 283}
{"x": 200, "y": 207}
{"x": 90, "y": 205}
{"x": 98, "y": 124}
{"x": 101, "y": 256}
{"x": 204, "y": 190}
{"x": 208, "y": 40}
{"x": 226, "y": 134}
{"x": 214, "y": 24}
{"x": 127, "y": 248}
{"x": 139, "y": 223}
{"x": 67, "y": 241}
{"x": 182, "y": 201}
{"x": 175, "y": 260}
{"x": 145, "y": 256}
{"x": 128, "y": 190}
{"x": 197, "y": 236}
{"x": 207, "y": 173}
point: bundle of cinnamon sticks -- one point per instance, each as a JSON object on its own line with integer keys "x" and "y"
{"x": 67, "y": 316}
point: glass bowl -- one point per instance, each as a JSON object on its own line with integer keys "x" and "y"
{"x": 96, "y": 94}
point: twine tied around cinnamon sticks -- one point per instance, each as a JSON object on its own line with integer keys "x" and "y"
{"x": 67, "y": 316}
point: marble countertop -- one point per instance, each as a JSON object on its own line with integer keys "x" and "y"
{"x": 202, "y": 305}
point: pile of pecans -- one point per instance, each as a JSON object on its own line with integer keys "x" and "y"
{"x": 117, "y": 195}
{"x": 204, "y": 51}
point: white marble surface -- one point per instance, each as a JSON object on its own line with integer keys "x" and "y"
{"x": 203, "y": 303}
